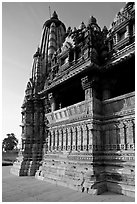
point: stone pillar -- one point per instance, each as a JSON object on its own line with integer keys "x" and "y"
{"x": 60, "y": 140}
{"x": 106, "y": 89}
{"x": 113, "y": 136}
{"x": 75, "y": 54}
{"x": 52, "y": 139}
{"x": 133, "y": 121}
{"x": 98, "y": 138}
{"x": 90, "y": 135}
{"x": 64, "y": 139}
{"x": 89, "y": 86}
{"x": 127, "y": 34}
{"x": 107, "y": 137}
{"x": 52, "y": 101}
{"x": 69, "y": 138}
{"x": 79, "y": 134}
{"x": 57, "y": 133}
{"x": 129, "y": 134}
{"x": 56, "y": 140}
{"x": 121, "y": 127}
{"x": 74, "y": 136}
{"x": 133, "y": 29}
{"x": 49, "y": 141}
{"x": 95, "y": 138}
{"x": 85, "y": 138}
{"x": 115, "y": 39}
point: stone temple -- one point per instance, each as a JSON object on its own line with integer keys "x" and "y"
{"x": 78, "y": 113}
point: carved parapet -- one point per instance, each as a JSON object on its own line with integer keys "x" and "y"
{"x": 73, "y": 112}
{"x": 121, "y": 105}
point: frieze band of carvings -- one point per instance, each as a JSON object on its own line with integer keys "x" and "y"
{"x": 83, "y": 137}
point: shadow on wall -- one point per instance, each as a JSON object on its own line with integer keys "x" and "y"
{"x": 118, "y": 136}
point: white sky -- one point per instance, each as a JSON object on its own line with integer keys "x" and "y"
{"x": 21, "y": 31}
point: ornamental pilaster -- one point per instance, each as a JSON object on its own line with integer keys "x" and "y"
{"x": 129, "y": 133}
{"x": 90, "y": 136}
{"x": 49, "y": 141}
{"x": 98, "y": 138}
{"x": 106, "y": 89}
{"x": 127, "y": 34}
{"x": 74, "y": 136}
{"x": 79, "y": 135}
{"x": 60, "y": 140}
{"x": 107, "y": 137}
{"x": 52, "y": 139}
{"x": 51, "y": 99}
{"x": 133, "y": 121}
{"x": 121, "y": 127}
{"x": 89, "y": 86}
{"x": 113, "y": 135}
{"x": 64, "y": 139}
{"x": 69, "y": 138}
{"x": 56, "y": 139}
{"x": 85, "y": 137}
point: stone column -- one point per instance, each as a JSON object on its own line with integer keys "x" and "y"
{"x": 56, "y": 139}
{"x": 89, "y": 87}
{"x": 64, "y": 138}
{"x": 113, "y": 136}
{"x": 52, "y": 139}
{"x": 107, "y": 137}
{"x": 95, "y": 138}
{"x": 127, "y": 34}
{"x": 69, "y": 138}
{"x": 122, "y": 135}
{"x": 129, "y": 134}
{"x": 52, "y": 101}
{"x": 115, "y": 39}
{"x": 98, "y": 138}
{"x": 133, "y": 29}
{"x": 49, "y": 141}
{"x": 79, "y": 134}
{"x": 90, "y": 135}
{"x": 60, "y": 139}
{"x": 106, "y": 90}
{"x": 85, "y": 137}
{"x": 133, "y": 121}
{"x": 74, "y": 135}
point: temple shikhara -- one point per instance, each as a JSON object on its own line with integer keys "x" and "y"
{"x": 78, "y": 113}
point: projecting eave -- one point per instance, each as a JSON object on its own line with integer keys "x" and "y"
{"x": 80, "y": 69}
{"x": 121, "y": 56}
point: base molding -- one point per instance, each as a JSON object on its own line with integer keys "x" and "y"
{"x": 124, "y": 189}
{"x": 24, "y": 168}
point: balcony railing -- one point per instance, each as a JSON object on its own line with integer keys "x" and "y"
{"x": 120, "y": 104}
{"x": 71, "y": 112}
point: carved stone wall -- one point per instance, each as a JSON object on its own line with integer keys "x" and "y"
{"x": 94, "y": 152}
{"x": 118, "y": 130}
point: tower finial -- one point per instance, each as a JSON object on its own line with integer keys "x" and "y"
{"x": 54, "y": 15}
